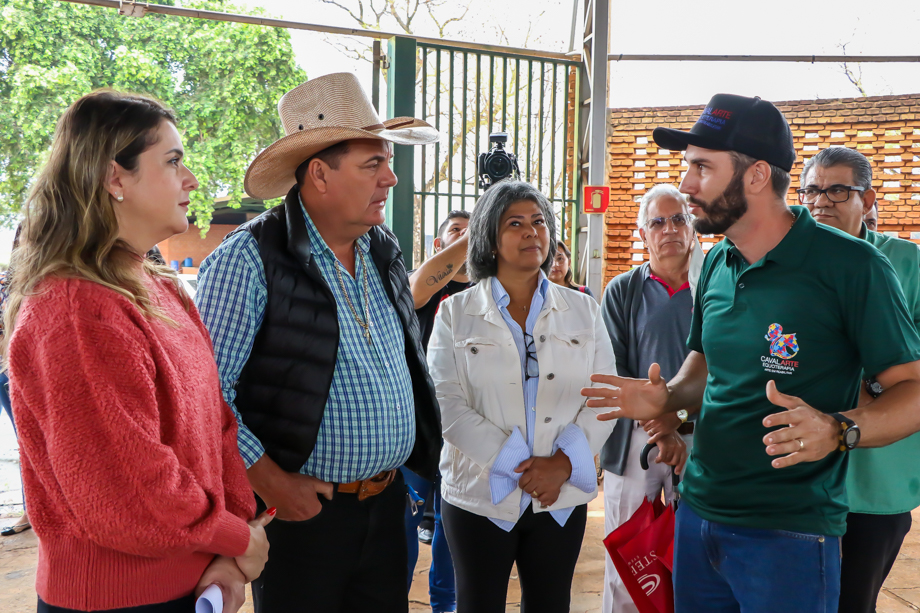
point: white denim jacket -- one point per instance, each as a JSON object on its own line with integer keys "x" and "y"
{"x": 476, "y": 370}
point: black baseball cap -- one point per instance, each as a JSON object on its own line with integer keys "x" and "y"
{"x": 750, "y": 126}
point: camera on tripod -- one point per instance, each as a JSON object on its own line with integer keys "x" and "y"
{"x": 497, "y": 164}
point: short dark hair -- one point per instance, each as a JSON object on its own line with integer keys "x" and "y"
{"x": 779, "y": 178}
{"x": 483, "y": 232}
{"x": 331, "y": 155}
{"x": 455, "y": 214}
{"x": 842, "y": 156}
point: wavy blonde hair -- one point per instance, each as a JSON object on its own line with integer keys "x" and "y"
{"x": 69, "y": 227}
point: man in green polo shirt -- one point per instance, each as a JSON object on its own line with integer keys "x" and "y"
{"x": 883, "y": 485}
{"x": 788, "y": 314}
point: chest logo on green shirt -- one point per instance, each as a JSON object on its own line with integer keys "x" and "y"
{"x": 783, "y": 347}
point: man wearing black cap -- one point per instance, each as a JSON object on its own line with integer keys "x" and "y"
{"x": 787, "y": 313}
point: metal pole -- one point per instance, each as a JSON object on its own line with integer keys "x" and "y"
{"x": 810, "y": 59}
{"x": 597, "y": 45}
{"x": 400, "y": 211}
{"x": 423, "y": 200}
{"x": 450, "y": 139}
{"x": 375, "y": 77}
{"x": 163, "y": 9}
{"x": 466, "y": 129}
{"x": 437, "y": 125}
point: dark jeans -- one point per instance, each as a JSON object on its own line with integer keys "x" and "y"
{"x": 350, "y": 557}
{"x": 8, "y": 407}
{"x": 483, "y": 554}
{"x": 5, "y": 398}
{"x": 870, "y": 547}
{"x": 728, "y": 569}
{"x": 441, "y": 588}
{"x": 182, "y": 605}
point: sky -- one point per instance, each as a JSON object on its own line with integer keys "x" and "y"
{"x": 781, "y": 27}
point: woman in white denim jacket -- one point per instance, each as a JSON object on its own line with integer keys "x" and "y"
{"x": 509, "y": 358}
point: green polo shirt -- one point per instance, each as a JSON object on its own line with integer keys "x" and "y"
{"x": 886, "y": 480}
{"x": 811, "y": 315}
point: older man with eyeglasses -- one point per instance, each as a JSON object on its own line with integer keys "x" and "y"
{"x": 647, "y": 312}
{"x": 883, "y": 485}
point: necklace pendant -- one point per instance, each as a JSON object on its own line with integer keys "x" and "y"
{"x": 367, "y": 335}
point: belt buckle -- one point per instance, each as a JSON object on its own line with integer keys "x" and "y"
{"x": 373, "y": 486}
{"x": 364, "y": 490}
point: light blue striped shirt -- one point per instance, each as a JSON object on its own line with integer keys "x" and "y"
{"x": 572, "y": 441}
{"x": 369, "y": 421}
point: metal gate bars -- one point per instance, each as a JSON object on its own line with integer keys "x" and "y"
{"x": 468, "y": 93}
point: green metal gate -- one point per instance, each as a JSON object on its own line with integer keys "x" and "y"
{"x": 467, "y": 94}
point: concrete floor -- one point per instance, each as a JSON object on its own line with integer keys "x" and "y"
{"x": 900, "y": 594}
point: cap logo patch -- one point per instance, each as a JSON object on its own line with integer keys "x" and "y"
{"x": 714, "y": 118}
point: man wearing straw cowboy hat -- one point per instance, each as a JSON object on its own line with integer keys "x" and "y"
{"x": 317, "y": 345}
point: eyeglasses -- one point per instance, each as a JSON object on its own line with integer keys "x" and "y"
{"x": 834, "y": 193}
{"x": 678, "y": 221}
{"x": 531, "y": 366}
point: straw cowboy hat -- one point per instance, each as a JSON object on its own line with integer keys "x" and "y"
{"x": 316, "y": 115}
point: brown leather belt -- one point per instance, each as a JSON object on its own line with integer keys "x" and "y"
{"x": 685, "y": 428}
{"x": 368, "y": 487}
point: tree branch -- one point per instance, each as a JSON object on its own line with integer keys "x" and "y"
{"x": 442, "y": 26}
{"x": 855, "y": 79}
{"x": 359, "y": 17}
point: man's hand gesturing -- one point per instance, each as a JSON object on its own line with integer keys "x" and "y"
{"x": 810, "y": 435}
{"x": 640, "y": 399}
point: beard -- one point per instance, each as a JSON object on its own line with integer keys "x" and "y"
{"x": 724, "y": 210}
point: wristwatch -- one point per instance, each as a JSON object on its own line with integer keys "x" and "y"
{"x": 874, "y": 388}
{"x": 849, "y": 432}
{"x": 683, "y": 416}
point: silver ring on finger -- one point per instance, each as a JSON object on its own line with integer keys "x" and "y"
{"x": 801, "y": 444}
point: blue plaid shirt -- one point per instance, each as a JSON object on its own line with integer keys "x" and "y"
{"x": 369, "y": 421}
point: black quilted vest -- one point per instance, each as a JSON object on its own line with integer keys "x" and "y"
{"x": 281, "y": 393}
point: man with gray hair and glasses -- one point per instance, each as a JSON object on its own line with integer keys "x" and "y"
{"x": 647, "y": 312}
{"x": 883, "y": 484}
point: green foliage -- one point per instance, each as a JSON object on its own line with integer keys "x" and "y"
{"x": 223, "y": 80}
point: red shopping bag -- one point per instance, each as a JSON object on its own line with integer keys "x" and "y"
{"x": 642, "y": 551}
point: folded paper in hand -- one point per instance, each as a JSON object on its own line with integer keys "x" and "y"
{"x": 210, "y": 601}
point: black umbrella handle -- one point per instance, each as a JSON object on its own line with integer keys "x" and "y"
{"x": 643, "y": 462}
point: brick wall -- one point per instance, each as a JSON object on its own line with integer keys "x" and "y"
{"x": 884, "y": 128}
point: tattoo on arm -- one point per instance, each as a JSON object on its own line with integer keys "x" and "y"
{"x": 439, "y": 276}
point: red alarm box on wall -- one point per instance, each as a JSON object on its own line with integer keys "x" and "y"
{"x": 596, "y": 198}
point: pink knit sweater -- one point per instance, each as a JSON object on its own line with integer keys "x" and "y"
{"x": 130, "y": 462}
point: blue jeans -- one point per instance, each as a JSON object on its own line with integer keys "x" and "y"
{"x": 5, "y": 397}
{"x": 441, "y": 588}
{"x": 7, "y": 406}
{"x": 731, "y": 569}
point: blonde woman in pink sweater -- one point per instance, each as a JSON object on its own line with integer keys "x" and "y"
{"x": 136, "y": 488}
